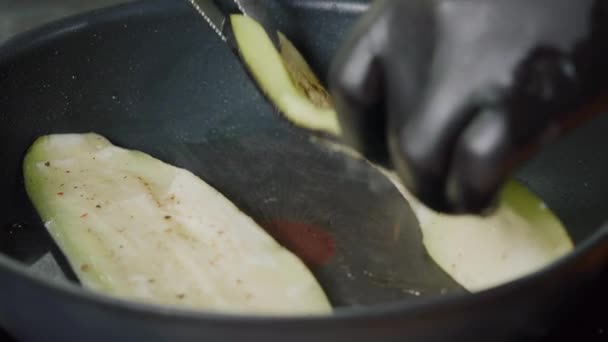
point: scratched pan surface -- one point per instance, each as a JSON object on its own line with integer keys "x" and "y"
{"x": 152, "y": 76}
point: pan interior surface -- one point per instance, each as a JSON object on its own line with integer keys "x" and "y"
{"x": 162, "y": 82}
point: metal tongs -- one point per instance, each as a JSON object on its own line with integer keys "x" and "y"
{"x": 216, "y": 13}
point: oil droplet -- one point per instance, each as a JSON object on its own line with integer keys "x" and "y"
{"x": 13, "y": 228}
{"x": 412, "y": 292}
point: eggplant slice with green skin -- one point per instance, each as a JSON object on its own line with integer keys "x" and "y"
{"x": 135, "y": 227}
{"x": 285, "y": 77}
{"x": 521, "y": 237}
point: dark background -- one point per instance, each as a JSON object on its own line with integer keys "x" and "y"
{"x": 586, "y": 322}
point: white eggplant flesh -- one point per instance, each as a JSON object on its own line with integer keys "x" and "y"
{"x": 285, "y": 77}
{"x": 135, "y": 227}
{"x": 521, "y": 236}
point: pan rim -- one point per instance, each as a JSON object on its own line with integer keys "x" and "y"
{"x": 409, "y": 309}
{"x": 21, "y": 43}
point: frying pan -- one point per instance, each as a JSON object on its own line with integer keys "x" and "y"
{"x": 152, "y": 76}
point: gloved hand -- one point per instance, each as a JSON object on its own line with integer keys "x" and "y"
{"x": 455, "y": 94}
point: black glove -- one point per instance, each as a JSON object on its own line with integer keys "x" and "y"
{"x": 455, "y": 94}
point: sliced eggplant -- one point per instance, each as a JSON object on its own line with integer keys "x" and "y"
{"x": 135, "y": 227}
{"x": 522, "y": 236}
{"x": 285, "y": 77}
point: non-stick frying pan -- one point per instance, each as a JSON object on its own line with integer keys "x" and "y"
{"x": 153, "y": 76}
